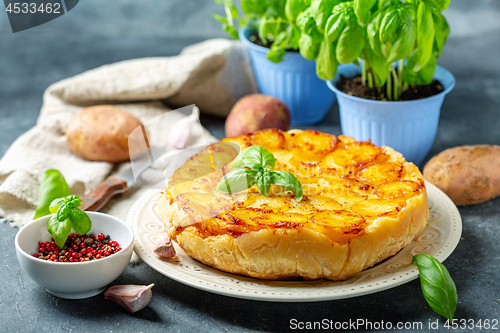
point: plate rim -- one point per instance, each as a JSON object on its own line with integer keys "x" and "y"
{"x": 412, "y": 272}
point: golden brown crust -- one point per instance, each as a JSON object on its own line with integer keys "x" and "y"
{"x": 267, "y": 249}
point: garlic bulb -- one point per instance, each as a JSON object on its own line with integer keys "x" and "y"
{"x": 164, "y": 248}
{"x": 179, "y": 137}
{"x": 130, "y": 297}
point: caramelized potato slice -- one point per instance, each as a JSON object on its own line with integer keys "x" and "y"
{"x": 339, "y": 187}
{"x": 382, "y": 158}
{"x": 242, "y": 216}
{"x": 243, "y": 199}
{"x": 353, "y": 154}
{"x": 202, "y": 206}
{"x": 339, "y": 225}
{"x": 216, "y": 226}
{"x": 311, "y": 179}
{"x": 312, "y": 145}
{"x": 281, "y": 204}
{"x": 333, "y": 175}
{"x": 304, "y": 207}
{"x": 380, "y": 173}
{"x": 373, "y": 208}
{"x": 222, "y": 153}
{"x": 205, "y": 184}
{"x": 281, "y": 220}
{"x": 243, "y": 221}
{"x": 271, "y": 138}
{"x": 349, "y": 198}
{"x": 321, "y": 202}
{"x": 197, "y": 212}
{"x": 346, "y": 139}
{"x": 190, "y": 173}
{"x": 404, "y": 189}
{"x": 313, "y": 188}
{"x": 243, "y": 141}
{"x": 235, "y": 222}
{"x": 275, "y": 203}
{"x": 304, "y": 169}
{"x": 283, "y": 158}
{"x": 256, "y": 219}
{"x": 362, "y": 189}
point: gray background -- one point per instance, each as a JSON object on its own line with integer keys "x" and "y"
{"x": 99, "y": 32}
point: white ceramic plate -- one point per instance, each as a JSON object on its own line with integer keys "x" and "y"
{"x": 438, "y": 239}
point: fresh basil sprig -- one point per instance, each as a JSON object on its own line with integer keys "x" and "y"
{"x": 237, "y": 180}
{"x": 437, "y": 286}
{"x": 67, "y": 216}
{"x": 52, "y": 186}
{"x": 255, "y": 166}
{"x": 254, "y": 157}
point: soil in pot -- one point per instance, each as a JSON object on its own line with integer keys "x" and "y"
{"x": 354, "y": 87}
{"x": 254, "y": 38}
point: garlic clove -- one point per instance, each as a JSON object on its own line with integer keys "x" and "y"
{"x": 130, "y": 297}
{"x": 181, "y": 132}
{"x": 164, "y": 248}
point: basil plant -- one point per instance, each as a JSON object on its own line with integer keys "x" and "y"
{"x": 380, "y": 34}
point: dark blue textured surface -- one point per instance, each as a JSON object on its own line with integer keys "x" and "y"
{"x": 99, "y": 32}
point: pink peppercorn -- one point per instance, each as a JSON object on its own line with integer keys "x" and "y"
{"x": 75, "y": 249}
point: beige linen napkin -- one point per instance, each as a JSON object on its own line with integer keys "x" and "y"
{"x": 213, "y": 75}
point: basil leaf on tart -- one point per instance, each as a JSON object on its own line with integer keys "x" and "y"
{"x": 289, "y": 182}
{"x": 236, "y": 181}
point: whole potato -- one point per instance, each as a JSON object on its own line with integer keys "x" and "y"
{"x": 255, "y": 112}
{"x": 100, "y": 133}
{"x": 467, "y": 174}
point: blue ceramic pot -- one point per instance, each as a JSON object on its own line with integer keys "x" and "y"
{"x": 407, "y": 126}
{"x": 294, "y": 81}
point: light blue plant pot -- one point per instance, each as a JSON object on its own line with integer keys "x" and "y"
{"x": 407, "y": 126}
{"x": 294, "y": 81}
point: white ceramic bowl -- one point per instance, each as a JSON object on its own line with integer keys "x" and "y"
{"x": 79, "y": 279}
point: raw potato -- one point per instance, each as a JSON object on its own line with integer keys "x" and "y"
{"x": 256, "y": 112}
{"x": 100, "y": 133}
{"x": 467, "y": 174}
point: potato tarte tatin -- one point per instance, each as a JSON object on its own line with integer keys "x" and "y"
{"x": 361, "y": 205}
